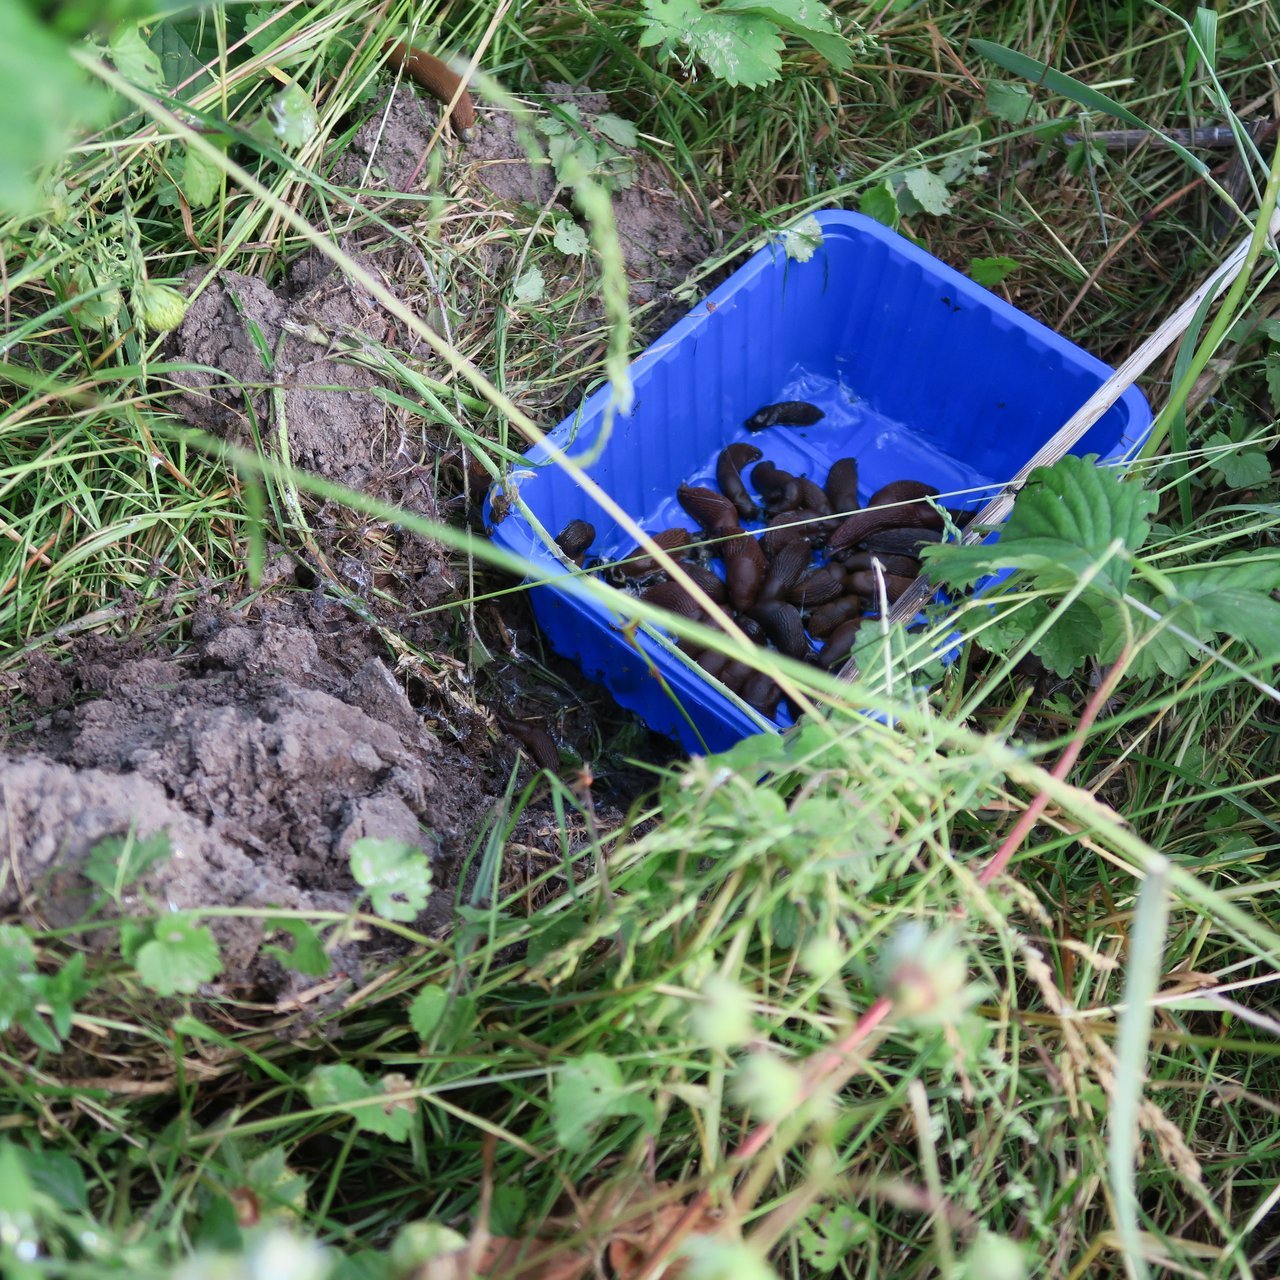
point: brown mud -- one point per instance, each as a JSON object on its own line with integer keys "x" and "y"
{"x": 267, "y": 732}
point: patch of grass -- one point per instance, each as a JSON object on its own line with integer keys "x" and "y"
{"x": 778, "y": 1000}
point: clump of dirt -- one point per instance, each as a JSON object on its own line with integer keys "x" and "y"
{"x": 278, "y": 736}
{"x": 265, "y": 753}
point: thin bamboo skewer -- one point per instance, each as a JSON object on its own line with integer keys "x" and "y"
{"x": 997, "y": 509}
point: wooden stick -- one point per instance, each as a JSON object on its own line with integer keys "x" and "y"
{"x": 997, "y": 510}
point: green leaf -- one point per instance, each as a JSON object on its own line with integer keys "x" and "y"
{"x": 530, "y": 287}
{"x": 396, "y": 875}
{"x": 928, "y": 191}
{"x": 293, "y": 118}
{"x": 17, "y": 975}
{"x": 1063, "y": 523}
{"x": 1073, "y": 637}
{"x": 177, "y": 60}
{"x": 201, "y": 179}
{"x": 344, "y": 1087}
{"x": 588, "y": 1091}
{"x": 740, "y": 48}
{"x": 1271, "y": 366}
{"x": 803, "y": 240}
{"x": 277, "y": 28}
{"x": 119, "y": 861}
{"x": 61, "y": 991}
{"x": 45, "y": 97}
{"x": 570, "y": 238}
{"x": 180, "y": 957}
{"x": 307, "y": 955}
{"x": 810, "y": 21}
{"x": 1040, "y": 73}
{"x": 427, "y": 1010}
{"x": 1202, "y": 45}
{"x": 1239, "y": 465}
{"x": 831, "y": 1232}
{"x": 135, "y": 59}
{"x": 619, "y": 131}
{"x": 1012, "y": 103}
{"x": 881, "y": 204}
{"x": 17, "y": 1197}
{"x": 991, "y": 271}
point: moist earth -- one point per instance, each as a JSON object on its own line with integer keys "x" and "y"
{"x": 276, "y": 734}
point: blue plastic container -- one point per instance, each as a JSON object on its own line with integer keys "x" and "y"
{"x": 922, "y": 374}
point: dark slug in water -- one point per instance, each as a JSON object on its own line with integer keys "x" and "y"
{"x": 575, "y": 538}
{"x": 729, "y": 477}
{"x": 788, "y": 413}
{"x": 842, "y": 485}
{"x": 712, "y": 510}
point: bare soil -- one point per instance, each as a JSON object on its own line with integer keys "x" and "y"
{"x": 279, "y": 728}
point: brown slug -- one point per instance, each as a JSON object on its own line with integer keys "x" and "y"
{"x": 839, "y": 643}
{"x": 782, "y": 624}
{"x": 639, "y": 563}
{"x": 672, "y": 597}
{"x": 536, "y": 741}
{"x": 762, "y": 692}
{"x": 435, "y": 77}
{"x": 712, "y": 584}
{"x": 903, "y": 566}
{"x": 712, "y": 510}
{"x": 785, "y": 568}
{"x": 862, "y": 524}
{"x": 819, "y": 586}
{"x": 842, "y": 485}
{"x": 813, "y": 497}
{"x": 780, "y": 489}
{"x": 575, "y": 538}
{"x": 827, "y": 617}
{"x": 787, "y": 413}
{"x": 864, "y": 583}
{"x": 897, "y": 491}
{"x": 902, "y": 542}
{"x": 729, "y": 477}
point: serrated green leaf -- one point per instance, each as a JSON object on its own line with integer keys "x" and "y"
{"x": 803, "y": 240}
{"x": 991, "y": 271}
{"x": 1072, "y": 639}
{"x": 135, "y": 59}
{"x": 928, "y": 191}
{"x": 343, "y": 1086}
{"x": 201, "y": 179}
{"x": 276, "y": 29}
{"x": 1271, "y": 366}
{"x": 427, "y": 1010}
{"x": 530, "y": 287}
{"x": 588, "y": 1091}
{"x": 178, "y": 63}
{"x": 571, "y": 238}
{"x": 119, "y": 861}
{"x": 1041, "y": 74}
{"x": 880, "y": 203}
{"x": 741, "y": 48}
{"x": 181, "y": 956}
{"x": 1012, "y": 103}
{"x": 45, "y": 97}
{"x": 619, "y": 131}
{"x": 1241, "y": 466}
{"x": 396, "y": 875}
{"x": 293, "y": 118}
{"x": 307, "y": 956}
{"x": 1063, "y": 523}
{"x": 810, "y": 21}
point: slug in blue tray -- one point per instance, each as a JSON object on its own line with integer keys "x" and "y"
{"x": 787, "y": 413}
